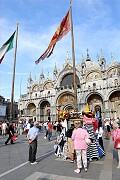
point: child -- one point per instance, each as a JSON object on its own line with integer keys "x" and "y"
{"x": 100, "y": 133}
{"x": 60, "y": 142}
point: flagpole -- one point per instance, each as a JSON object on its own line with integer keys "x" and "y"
{"x": 20, "y": 86}
{"x": 13, "y": 76}
{"x": 73, "y": 57}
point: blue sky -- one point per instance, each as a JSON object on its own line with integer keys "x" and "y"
{"x": 96, "y": 26}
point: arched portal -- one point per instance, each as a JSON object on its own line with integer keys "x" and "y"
{"x": 97, "y": 108}
{"x": 31, "y": 110}
{"x": 114, "y": 104}
{"x": 66, "y": 101}
{"x": 45, "y": 111}
{"x": 95, "y": 102}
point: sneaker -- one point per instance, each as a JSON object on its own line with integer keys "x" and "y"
{"x": 77, "y": 171}
{"x": 85, "y": 169}
{"x": 34, "y": 163}
{"x": 71, "y": 161}
{"x": 5, "y": 143}
{"x": 64, "y": 158}
{"x": 90, "y": 159}
{"x": 118, "y": 167}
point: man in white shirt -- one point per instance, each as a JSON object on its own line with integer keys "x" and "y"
{"x": 4, "y": 128}
{"x": 32, "y": 137}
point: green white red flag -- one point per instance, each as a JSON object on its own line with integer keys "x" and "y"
{"x": 62, "y": 30}
{"x": 7, "y": 46}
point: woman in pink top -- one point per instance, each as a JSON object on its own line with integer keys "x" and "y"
{"x": 79, "y": 135}
{"x": 116, "y": 135}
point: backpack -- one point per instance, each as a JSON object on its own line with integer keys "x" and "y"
{"x": 69, "y": 133}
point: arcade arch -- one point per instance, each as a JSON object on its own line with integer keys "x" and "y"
{"x": 68, "y": 79}
{"x": 114, "y": 104}
{"x": 66, "y": 101}
{"x": 95, "y": 102}
{"x": 31, "y": 109}
{"x": 44, "y": 111}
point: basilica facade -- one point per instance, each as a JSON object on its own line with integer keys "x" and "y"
{"x": 97, "y": 84}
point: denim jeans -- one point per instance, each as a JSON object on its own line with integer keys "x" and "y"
{"x": 49, "y": 135}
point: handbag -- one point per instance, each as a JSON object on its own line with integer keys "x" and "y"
{"x": 14, "y": 138}
{"x": 100, "y": 151}
{"x": 88, "y": 141}
{"x": 117, "y": 144}
{"x": 26, "y": 130}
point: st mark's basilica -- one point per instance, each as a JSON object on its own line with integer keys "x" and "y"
{"x": 98, "y": 84}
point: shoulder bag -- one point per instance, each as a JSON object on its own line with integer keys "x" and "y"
{"x": 117, "y": 144}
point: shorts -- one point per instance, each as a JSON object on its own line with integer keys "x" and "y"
{"x": 70, "y": 145}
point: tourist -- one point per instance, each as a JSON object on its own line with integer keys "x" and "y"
{"x": 70, "y": 143}
{"x": 116, "y": 135}
{"x": 32, "y": 137}
{"x": 92, "y": 151}
{"x": 78, "y": 136}
{"x": 4, "y": 128}
{"x": 107, "y": 129}
{"x": 45, "y": 128}
{"x": 100, "y": 134}
{"x": 19, "y": 128}
{"x": 11, "y": 133}
{"x": 54, "y": 126}
{"x": 64, "y": 126}
{"x": 27, "y": 127}
{"x": 49, "y": 130}
{"x": 60, "y": 145}
{"x": 59, "y": 128}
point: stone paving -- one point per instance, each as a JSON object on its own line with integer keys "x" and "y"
{"x": 14, "y": 165}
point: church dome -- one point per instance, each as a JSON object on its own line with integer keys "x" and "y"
{"x": 92, "y": 66}
{"x": 114, "y": 64}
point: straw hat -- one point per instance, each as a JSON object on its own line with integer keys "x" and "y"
{"x": 87, "y": 111}
{"x": 87, "y": 108}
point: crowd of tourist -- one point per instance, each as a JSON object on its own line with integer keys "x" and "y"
{"x": 81, "y": 141}
{"x": 85, "y": 142}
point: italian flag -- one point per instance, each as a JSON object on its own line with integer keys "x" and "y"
{"x": 6, "y": 47}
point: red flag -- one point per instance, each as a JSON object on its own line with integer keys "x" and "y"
{"x": 62, "y": 30}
